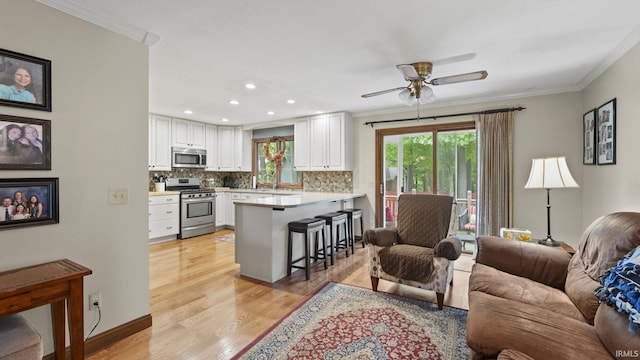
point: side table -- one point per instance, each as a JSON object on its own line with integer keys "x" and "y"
{"x": 49, "y": 283}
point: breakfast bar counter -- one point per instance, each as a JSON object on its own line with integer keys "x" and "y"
{"x": 262, "y": 229}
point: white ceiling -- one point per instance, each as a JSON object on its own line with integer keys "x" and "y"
{"x": 325, "y": 54}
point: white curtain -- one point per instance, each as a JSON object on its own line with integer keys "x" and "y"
{"x": 495, "y": 172}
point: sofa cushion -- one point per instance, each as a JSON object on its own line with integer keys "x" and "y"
{"x": 495, "y": 324}
{"x": 511, "y": 354}
{"x": 498, "y": 283}
{"x": 603, "y": 243}
{"x": 612, "y": 329}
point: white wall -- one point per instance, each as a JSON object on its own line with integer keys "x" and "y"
{"x": 550, "y": 125}
{"x": 99, "y": 141}
{"x": 610, "y": 188}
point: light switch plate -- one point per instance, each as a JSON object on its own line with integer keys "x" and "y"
{"x": 119, "y": 196}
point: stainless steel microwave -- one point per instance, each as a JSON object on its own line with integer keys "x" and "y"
{"x": 188, "y": 158}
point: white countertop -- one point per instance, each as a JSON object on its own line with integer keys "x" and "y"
{"x": 297, "y": 199}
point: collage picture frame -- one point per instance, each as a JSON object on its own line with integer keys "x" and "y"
{"x": 606, "y": 133}
{"x": 589, "y": 137}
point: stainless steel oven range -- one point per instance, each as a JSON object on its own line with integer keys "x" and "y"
{"x": 197, "y": 207}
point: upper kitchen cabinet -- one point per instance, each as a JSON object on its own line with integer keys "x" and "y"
{"x": 243, "y": 149}
{"x": 211, "y": 139}
{"x": 228, "y": 148}
{"x": 301, "y": 144}
{"x": 159, "y": 143}
{"x": 188, "y": 134}
{"x": 330, "y": 142}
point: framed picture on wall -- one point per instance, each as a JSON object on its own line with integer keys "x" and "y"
{"x": 25, "y": 143}
{"x": 589, "y": 137}
{"x": 606, "y": 132}
{"x": 28, "y": 202}
{"x": 25, "y": 81}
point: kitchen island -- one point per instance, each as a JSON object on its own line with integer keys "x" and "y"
{"x": 262, "y": 229}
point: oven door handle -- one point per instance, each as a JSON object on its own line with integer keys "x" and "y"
{"x": 194, "y": 200}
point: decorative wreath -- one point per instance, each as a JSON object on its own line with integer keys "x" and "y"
{"x": 274, "y": 159}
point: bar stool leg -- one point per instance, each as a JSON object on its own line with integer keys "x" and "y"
{"x": 289, "y": 252}
{"x": 307, "y": 259}
{"x": 324, "y": 246}
{"x": 361, "y": 231}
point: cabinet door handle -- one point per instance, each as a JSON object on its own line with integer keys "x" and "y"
{"x": 169, "y": 227}
{"x": 169, "y": 212}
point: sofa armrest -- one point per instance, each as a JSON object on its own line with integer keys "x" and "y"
{"x": 449, "y": 248}
{"x": 540, "y": 263}
{"x": 381, "y": 236}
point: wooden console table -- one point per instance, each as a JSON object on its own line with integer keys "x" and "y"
{"x": 49, "y": 283}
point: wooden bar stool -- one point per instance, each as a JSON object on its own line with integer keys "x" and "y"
{"x": 352, "y": 216}
{"x": 334, "y": 220}
{"x": 308, "y": 227}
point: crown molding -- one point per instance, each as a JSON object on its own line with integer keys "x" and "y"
{"x": 106, "y": 22}
{"x": 627, "y": 43}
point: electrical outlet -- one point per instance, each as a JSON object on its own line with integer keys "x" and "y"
{"x": 95, "y": 300}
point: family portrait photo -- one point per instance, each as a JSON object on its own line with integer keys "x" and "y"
{"x": 25, "y": 81}
{"x": 24, "y": 143}
{"x": 26, "y": 202}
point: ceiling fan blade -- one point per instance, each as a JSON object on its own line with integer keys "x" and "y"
{"x": 382, "y": 92}
{"x": 478, "y": 75}
{"x": 409, "y": 71}
{"x": 453, "y": 59}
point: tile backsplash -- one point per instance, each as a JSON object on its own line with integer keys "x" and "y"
{"x": 314, "y": 181}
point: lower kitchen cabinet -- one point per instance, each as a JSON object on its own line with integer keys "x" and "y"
{"x": 164, "y": 217}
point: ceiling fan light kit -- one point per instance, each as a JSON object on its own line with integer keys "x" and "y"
{"x": 418, "y": 74}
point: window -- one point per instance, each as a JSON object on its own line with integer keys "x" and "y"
{"x": 273, "y": 165}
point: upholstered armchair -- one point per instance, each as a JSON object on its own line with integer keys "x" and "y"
{"x": 419, "y": 251}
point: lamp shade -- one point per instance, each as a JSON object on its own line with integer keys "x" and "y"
{"x": 550, "y": 173}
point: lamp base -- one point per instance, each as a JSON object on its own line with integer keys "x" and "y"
{"x": 549, "y": 242}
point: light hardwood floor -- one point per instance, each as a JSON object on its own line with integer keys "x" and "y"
{"x": 203, "y": 309}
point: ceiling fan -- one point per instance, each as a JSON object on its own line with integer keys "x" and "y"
{"x": 418, "y": 74}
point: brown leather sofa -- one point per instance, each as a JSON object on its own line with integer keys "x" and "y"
{"x": 532, "y": 301}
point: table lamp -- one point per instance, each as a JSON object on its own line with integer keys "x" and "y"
{"x": 550, "y": 173}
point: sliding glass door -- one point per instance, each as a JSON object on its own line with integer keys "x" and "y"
{"x": 429, "y": 160}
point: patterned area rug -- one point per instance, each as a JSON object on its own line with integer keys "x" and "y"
{"x": 346, "y": 322}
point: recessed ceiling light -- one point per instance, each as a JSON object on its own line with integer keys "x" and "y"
{"x": 271, "y": 112}
{"x": 318, "y": 112}
{"x": 225, "y": 120}
{"x": 291, "y": 101}
{"x": 234, "y": 102}
{"x": 250, "y": 86}
{"x": 188, "y": 112}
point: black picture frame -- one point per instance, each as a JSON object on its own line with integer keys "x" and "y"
{"x": 589, "y": 137}
{"x": 25, "y": 143}
{"x": 46, "y": 192}
{"x": 606, "y": 132}
{"x": 39, "y": 87}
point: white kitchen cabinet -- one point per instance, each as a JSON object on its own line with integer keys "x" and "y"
{"x": 301, "y": 144}
{"x": 225, "y": 149}
{"x": 164, "y": 216}
{"x": 159, "y": 143}
{"x": 221, "y": 210}
{"x": 211, "y": 140}
{"x": 330, "y": 142}
{"x": 243, "y": 148}
{"x": 188, "y": 134}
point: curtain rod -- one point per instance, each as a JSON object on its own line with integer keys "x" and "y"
{"x": 494, "y": 111}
